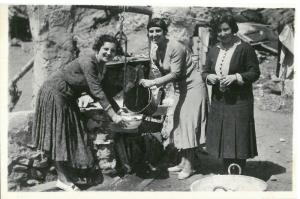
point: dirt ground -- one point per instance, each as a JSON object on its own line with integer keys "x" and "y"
{"x": 273, "y": 164}
{"x": 274, "y": 138}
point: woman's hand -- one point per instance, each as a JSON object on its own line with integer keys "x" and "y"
{"x": 84, "y": 100}
{"x": 118, "y": 119}
{"x": 147, "y": 83}
{"x": 213, "y": 78}
{"x": 123, "y": 111}
{"x": 228, "y": 80}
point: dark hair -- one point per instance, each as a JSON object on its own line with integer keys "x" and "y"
{"x": 100, "y": 40}
{"x": 225, "y": 18}
{"x": 158, "y": 22}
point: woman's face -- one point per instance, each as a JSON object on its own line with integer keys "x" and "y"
{"x": 225, "y": 34}
{"x": 107, "y": 52}
{"x": 156, "y": 35}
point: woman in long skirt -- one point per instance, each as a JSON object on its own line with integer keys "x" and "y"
{"x": 57, "y": 128}
{"x": 231, "y": 68}
{"x": 174, "y": 60}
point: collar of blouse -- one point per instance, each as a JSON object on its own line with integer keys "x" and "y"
{"x": 235, "y": 41}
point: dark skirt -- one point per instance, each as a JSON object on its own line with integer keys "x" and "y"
{"x": 231, "y": 131}
{"x": 57, "y": 128}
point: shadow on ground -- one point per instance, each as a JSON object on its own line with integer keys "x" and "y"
{"x": 263, "y": 169}
{"x": 259, "y": 169}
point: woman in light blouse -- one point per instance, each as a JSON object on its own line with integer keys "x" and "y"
{"x": 231, "y": 68}
{"x": 174, "y": 60}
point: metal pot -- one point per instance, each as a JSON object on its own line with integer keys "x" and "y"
{"x": 133, "y": 123}
{"x": 229, "y": 182}
{"x": 140, "y": 100}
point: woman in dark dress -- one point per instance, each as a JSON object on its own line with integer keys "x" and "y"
{"x": 57, "y": 128}
{"x": 231, "y": 68}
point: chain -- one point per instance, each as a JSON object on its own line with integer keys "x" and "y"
{"x": 122, "y": 18}
{"x": 123, "y": 38}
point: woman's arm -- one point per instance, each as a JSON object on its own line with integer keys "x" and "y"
{"x": 113, "y": 103}
{"x": 95, "y": 89}
{"x": 208, "y": 74}
{"x": 177, "y": 56}
{"x": 207, "y": 67}
{"x": 252, "y": 66}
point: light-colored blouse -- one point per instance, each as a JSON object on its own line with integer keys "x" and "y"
{"x": 223, "y": 61}
{"x": 175, "y": 64}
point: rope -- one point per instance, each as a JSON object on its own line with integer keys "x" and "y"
{"x": 120, "y": 36}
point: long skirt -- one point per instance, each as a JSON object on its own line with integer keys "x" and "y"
{"x": 189, "y": 117}
{"x": 231, "y": 131}
{"x": 57, "y": 128}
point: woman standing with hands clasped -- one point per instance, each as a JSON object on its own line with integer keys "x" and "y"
{"x": 57, "y": 127}
{"x": 231, "y": 68}
{"x": 174, "y": 60}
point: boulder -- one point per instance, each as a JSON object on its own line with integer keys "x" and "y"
{"x": 106, "y": 164}
{"x": 104, "y": 153}
{"x": 32, "y": 182}
{"x": 289, "y": 87}
{"x": 15, "y": 42}
{"x": 20, "y": 168}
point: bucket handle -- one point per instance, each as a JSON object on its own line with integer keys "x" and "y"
{"x": 236, "y": 165}
{"x": 149, "y": 102}
{"x": 220, "y": 187}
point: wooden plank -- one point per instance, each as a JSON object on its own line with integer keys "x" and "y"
{"x": 116, "y": 180}
{"x": 270, "y": 48}
{"x": 105, "y": 185}
{"x": 23, "y": 71}
{"x": 144, "y": 184}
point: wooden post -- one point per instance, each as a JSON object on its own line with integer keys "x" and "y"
{"x": 135, "y": 9}
{"x": 13, "y": 89}
{"x": 51, "y": 28}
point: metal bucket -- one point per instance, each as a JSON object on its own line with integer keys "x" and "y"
{"x": 133, "y": 123}
{"x": 229, "y": 183}
{"x": 140, "y": 100}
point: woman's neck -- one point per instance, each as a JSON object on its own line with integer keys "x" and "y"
{"x": 99, "y": 61}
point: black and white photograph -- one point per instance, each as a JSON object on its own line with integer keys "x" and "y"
{"x": 149, "y": 98}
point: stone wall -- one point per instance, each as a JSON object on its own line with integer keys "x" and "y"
{"x": 98, "y": 125}
{"x": 51, "y": 28}
{"x": 28, "y": 167}
{"x": 60, "y": 33}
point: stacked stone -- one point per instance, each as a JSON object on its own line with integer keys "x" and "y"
{"x": 98, "y": 123}
{"x": 25, "y": 166}
{"x": 29, "y": 169}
